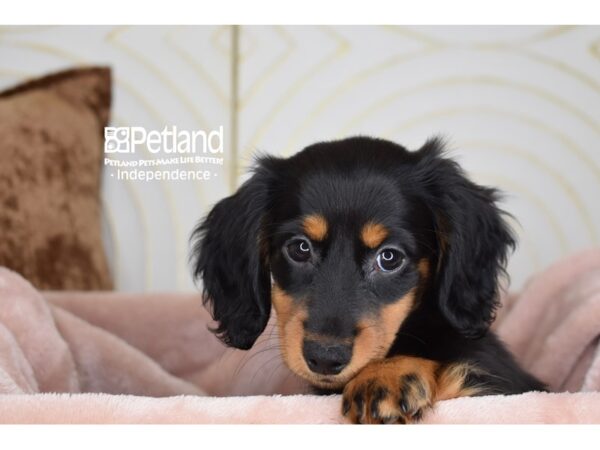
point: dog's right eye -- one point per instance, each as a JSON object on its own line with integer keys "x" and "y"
{"x": 299, "y": 250}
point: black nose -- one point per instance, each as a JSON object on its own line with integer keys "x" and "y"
{"x": 327, "y": 359}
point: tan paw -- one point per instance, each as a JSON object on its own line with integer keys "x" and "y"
{"x": 390, "y": 391}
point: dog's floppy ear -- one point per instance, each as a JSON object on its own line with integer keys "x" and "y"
{"x": 473, "y": 241}
{"x": 227, "y": 256}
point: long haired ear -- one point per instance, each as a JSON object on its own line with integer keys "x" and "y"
{"x": 227, "y": 256}
{"x": 473, "y": 241}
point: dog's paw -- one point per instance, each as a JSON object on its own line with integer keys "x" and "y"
{"x": 396, "y": 390}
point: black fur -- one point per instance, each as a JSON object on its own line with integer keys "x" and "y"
{"x": 477, "y": 239}
{"x": 228, "y": 258}
{"x": 435, "y": 213}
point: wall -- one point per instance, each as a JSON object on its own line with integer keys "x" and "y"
{"x": 518, "y": 106}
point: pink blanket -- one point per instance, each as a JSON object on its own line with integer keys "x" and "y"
{"x": 119, "y": 358}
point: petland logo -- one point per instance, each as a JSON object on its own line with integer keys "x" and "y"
{"x": 169, "y": 140}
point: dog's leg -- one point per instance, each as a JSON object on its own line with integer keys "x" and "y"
{"x": 401, "y": 388}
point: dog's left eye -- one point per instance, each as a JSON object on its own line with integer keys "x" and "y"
{"x": 389, "y": 259}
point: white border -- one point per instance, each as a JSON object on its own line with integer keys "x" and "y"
{"x": 290, "y": 437}
{"x": 301, "y": 12}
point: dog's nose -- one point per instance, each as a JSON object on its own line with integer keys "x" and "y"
{"x": 327, "y": 359}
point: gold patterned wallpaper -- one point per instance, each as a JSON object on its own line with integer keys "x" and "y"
{"x": 518, "y": 106}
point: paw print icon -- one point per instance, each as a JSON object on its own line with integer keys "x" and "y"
{"x": 117, "y": 140}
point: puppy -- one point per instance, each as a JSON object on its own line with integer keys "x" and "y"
{"x": 382, "y": 266}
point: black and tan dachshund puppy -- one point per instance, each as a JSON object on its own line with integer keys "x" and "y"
{"x": 382, "y": 266}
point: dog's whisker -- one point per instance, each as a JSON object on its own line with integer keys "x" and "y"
{"x": 250, "y": 357}
{"x": 263, "y": 366}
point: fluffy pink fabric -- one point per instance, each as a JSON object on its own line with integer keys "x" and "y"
{"x": 120, "y": 358}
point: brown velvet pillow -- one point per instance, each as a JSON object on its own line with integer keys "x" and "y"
{"x": 51, "y": 151}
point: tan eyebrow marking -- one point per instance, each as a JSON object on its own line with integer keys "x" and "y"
{"x": 423, "y": 267}
{"x": 315, "y": 227}
{"x": 373, "y": 234}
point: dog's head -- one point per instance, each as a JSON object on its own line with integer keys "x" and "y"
{"x": 345, "y": 240}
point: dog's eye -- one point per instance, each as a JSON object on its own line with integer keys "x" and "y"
{"x": 299, "y": 250}
{"x": 389, "y": 259}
